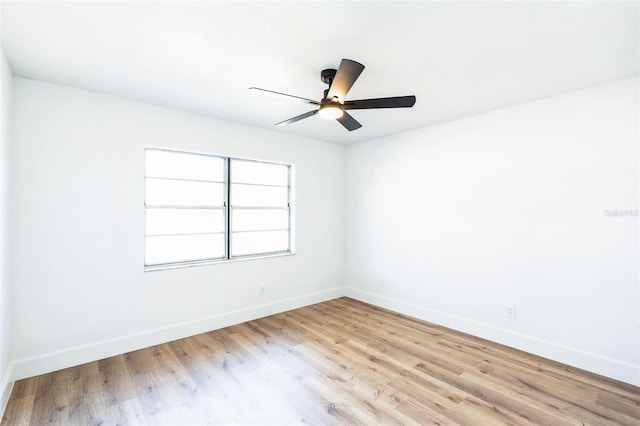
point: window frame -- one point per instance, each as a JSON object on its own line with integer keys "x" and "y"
{"x": 227, "y": 210}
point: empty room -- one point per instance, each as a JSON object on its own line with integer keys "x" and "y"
{"x": 319, "y": 212}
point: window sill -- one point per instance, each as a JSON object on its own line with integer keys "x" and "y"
{"x": 153, "y": 268}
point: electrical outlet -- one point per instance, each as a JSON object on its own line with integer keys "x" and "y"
{"x": 510, "y": 312}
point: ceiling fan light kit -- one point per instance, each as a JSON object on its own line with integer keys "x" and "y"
{"x": 331, "y": 111}
{"x": 333, "y": 104}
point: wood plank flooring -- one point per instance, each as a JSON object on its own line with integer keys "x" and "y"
{"x": 338, "y": 362}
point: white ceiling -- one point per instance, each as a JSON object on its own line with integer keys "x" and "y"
{"x": 458, "y": 58}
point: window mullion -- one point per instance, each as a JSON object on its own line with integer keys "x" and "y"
{"x": 227, "y": 202}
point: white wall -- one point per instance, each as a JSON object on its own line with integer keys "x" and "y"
{"x": 80, "y": 289}
{"x": 450, "y": 223}
{"x": 6, "y": 311}
{"x": 454, "y": 222}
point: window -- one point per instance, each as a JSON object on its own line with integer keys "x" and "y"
{"x": 203, "y": 208}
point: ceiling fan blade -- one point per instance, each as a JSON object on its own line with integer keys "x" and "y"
{"x": 271, "y": 92}
{"x": 349, "y": 122}
{"x": 297, "y": 118}
{"x": 394, "y": 102}
{"x": 347, "y": 74}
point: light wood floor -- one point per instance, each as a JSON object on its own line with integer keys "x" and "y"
{"x": 338, "y": 362}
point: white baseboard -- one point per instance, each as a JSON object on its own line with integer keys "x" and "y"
{"x": 595, "y": 363}
{"x": 306, "y": 300}
{"x": 82, "y": 354}
{"x": 5, "y": 390}
{"x": 79, "y": 355}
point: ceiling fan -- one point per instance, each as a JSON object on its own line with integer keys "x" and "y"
{"x": 333, "y": 104}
